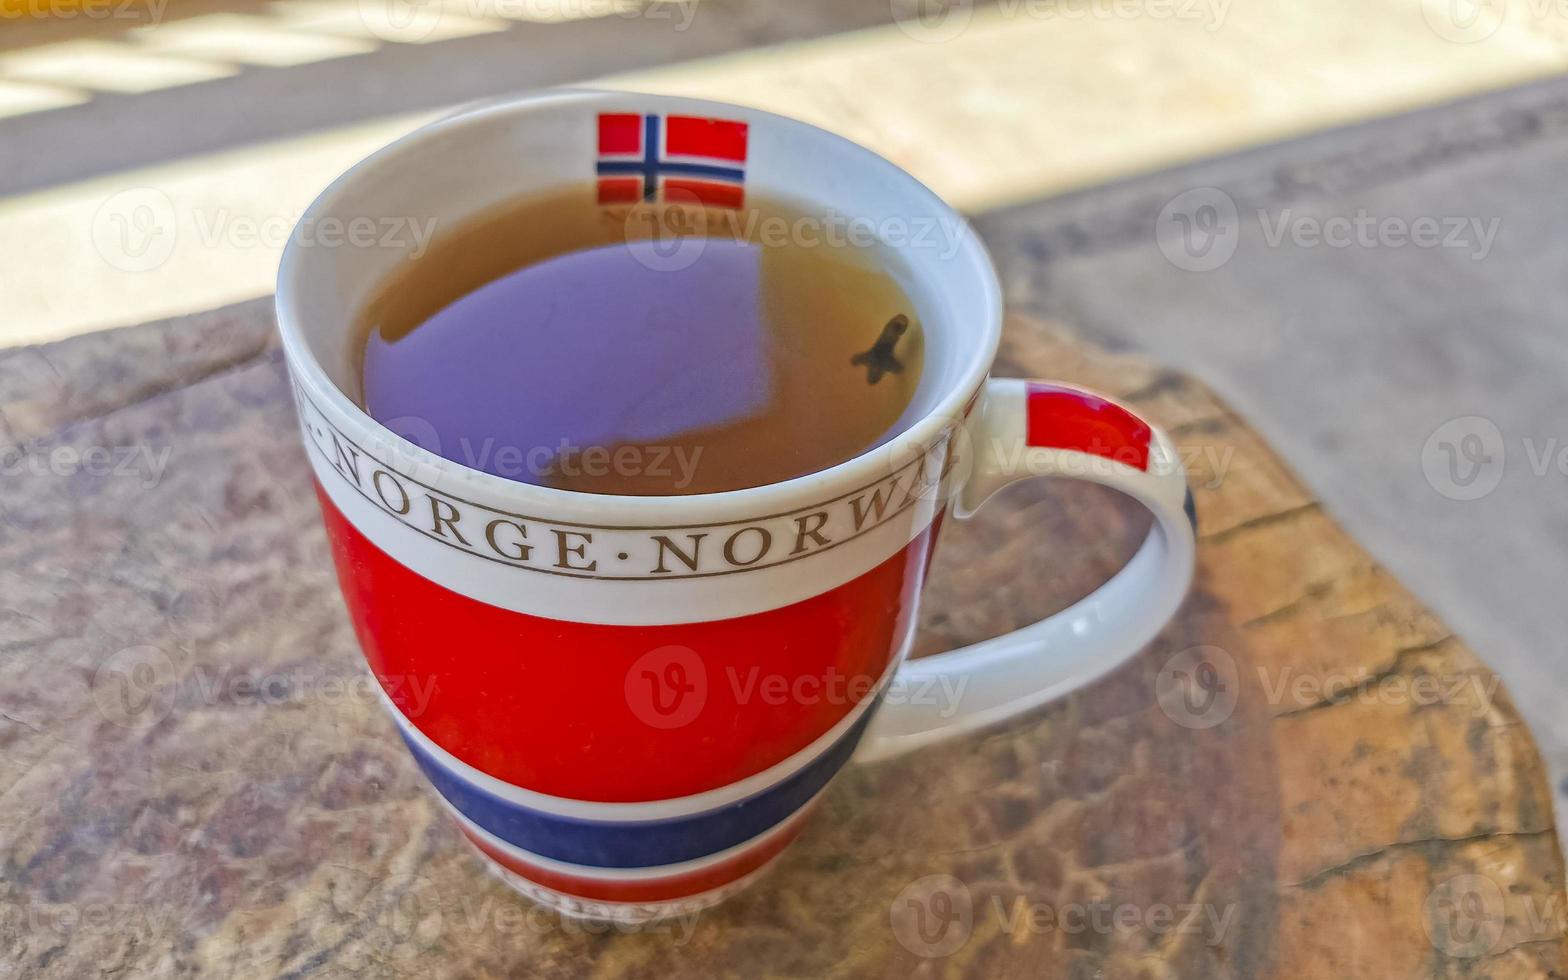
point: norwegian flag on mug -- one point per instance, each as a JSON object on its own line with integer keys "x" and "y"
{"x": 644, "y": 156}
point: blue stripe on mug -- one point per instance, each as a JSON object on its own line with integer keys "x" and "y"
{"x": 645, "y": 843}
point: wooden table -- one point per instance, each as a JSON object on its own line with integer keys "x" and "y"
{"x": 1305, "y": 776}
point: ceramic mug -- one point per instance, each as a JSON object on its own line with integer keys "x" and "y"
{"x": 629, "y": 704}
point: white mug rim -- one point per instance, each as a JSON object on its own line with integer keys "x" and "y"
{"x": 864, "y": 468}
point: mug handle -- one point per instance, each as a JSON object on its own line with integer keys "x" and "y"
{"x": 1028, "y": 429}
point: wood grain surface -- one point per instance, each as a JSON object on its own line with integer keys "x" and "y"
{"x": 1304, "y": 776}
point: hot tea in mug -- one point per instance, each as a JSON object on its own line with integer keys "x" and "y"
{"x": 660, "y": 347}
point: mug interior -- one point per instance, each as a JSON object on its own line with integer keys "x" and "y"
{"x": 457, "y": 168}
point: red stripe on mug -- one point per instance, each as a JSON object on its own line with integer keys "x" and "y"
{"x": 720, "y": 139}
{"x": 620, "y": 190}
{"x": 709, "y": 192}
{"x": 620, "y": 132}
{"x": 621, "y": 714}
{"x": 1060, "y": 417}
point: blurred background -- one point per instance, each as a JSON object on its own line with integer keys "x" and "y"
{"x": 1346, "y": 216}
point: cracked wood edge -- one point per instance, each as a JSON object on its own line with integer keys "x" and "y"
{"x": 1418, "y": 836}
{"x": 1394, "y": 816}
{"x": 46, "y": 387}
